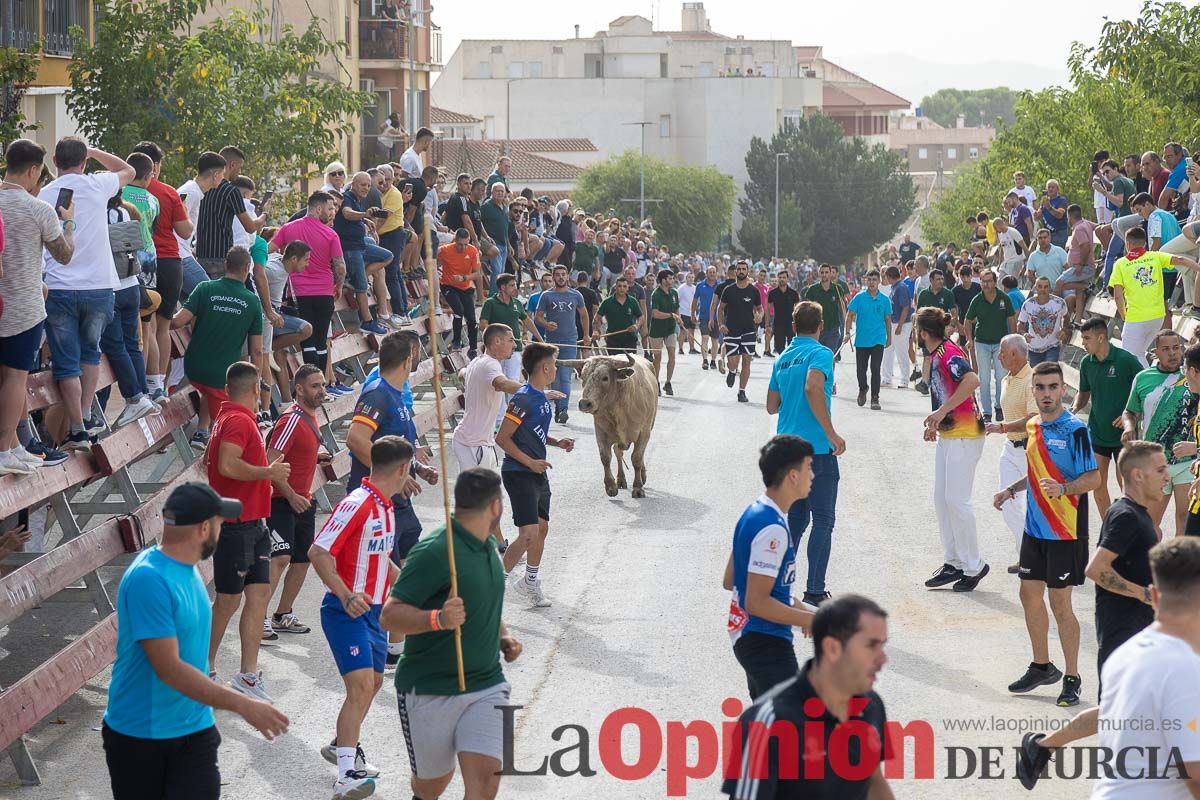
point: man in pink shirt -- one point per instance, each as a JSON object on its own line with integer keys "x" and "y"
{"x": 1073, "y": 284}
{"x": 316, "y": 287}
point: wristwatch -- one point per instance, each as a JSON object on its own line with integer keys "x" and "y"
{"x": 1146, "y": 593}
{"x": 1062, "y": 487}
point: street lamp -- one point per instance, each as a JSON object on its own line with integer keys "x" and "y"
{"x": 777, "y": 157}
{"x": 642, "y": 192}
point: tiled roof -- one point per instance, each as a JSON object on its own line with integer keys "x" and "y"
{"x": 479, "y": 157}
{"x": 549, "y": 145}
{"x": 443, "y": 116}
{"x": 693, "y": 35}
{"x": 841, "y": 95}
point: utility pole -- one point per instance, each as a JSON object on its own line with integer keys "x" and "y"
{"x": 642, "y": 192}
{"x": 777, "y": 157}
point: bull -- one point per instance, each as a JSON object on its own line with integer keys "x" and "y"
{"x": 622, "y": 395}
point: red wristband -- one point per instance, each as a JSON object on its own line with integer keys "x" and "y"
{"x": 433, "y": 620}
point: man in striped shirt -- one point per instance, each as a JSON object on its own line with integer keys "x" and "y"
{"x": 352, "y": 557}
{"x": 219, "y": 207}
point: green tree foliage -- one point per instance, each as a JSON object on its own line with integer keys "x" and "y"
{"x": 988, "y": 105}
{"x": 697, "y": 202}
{"x": 840, "y": 197}
{"x": 17, "y": 71}
{"x": 150, "y": 76}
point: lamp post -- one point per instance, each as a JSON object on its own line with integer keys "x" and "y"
{"x": 777, "y": 157}
{"x": 642, "y": 192}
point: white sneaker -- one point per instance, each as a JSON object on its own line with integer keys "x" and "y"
{"x": 12, "y": 464}
{"x": 329, "y": 753}
{"x": 252, "y": 685}
{"x": 354, "y": 785}
{"x": 27, "y": 457}
{"x": 534, "y": 593}
{"x": 268, "y": 634}
{"x": 398, "y": 320}
{"x": 135, "y": 411}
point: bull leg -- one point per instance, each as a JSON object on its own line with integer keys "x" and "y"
{"x": 621, "y": 484}
{"x": 639, "y": 465}
{"x": 605, "y": 444}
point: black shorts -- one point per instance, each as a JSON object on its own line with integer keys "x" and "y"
{"x": 1059, "y": 563}
{"x": 243, "y": 556}
{"x": 408, "y": 529}
{"x": 529, "y": 496}
{"x": 1193, "y": 525}
{"x": 688, "y": 323}
{"x": 291, "y": 533}
{"x": 1106, "y": 452}
{"x": 740, "y": 344}
{"x": 168, "y": 282}
{"x": 768, "y": 660}
{"x": 21, "y": 350}
{"x": 183, "y": 767}
{"x": 1169, "y": 281}
{"x": 1116, "y": 626}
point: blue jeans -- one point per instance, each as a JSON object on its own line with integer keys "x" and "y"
{"x": 1116, "y": 249}
{"x": 497, "y": 267}
{"x": 562, "y": 378}
{"x": 394, "y": 242}
{"x": 987, "y": 360}
{"x": 833, "y": 340}
{"x": 820, "y": 506}
{"x": 193, "y": 274}
{"x": 120, "y": 343}
{"x": 75, "y": 321}
{"x": 1037, "y": 358}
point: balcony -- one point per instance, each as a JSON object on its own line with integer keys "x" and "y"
{"x": 383, "y": 30}
{"x": 21, "y": 25}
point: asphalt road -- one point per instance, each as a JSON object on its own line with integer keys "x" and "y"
{"x": 639, "y": 621}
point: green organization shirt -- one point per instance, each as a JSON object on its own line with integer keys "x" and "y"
{"x": 1166, "y": 407}
{"x": 586, "y": 256}
{"x": 428, "y": 665}
{"x": 831, "y": 303}
{"x": 509, "y": 314}
{"x": 618, "y": 316}
{"x": 1109, "y": 382}
{"x": 991, "y": 319}
{"x": 943, "y": 299}
{"x": 667, "y": 302}
{"x": 225, "y": 312}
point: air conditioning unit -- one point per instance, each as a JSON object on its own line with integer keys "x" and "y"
{"x": 366, "y": 85}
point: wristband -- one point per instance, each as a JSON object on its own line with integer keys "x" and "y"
{"x": 1062, "y": 487}
{"x": 433, "y": 620}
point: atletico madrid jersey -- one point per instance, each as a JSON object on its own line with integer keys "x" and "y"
{"x": 1061, "y": 451}
{"x": 359, "y": 536}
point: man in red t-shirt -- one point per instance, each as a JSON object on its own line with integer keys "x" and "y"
{"x": 295, "y": 438}
{"x": 172, "y": 220}
{"x": 458, "y": 263}
{"x": 237, "y": 467}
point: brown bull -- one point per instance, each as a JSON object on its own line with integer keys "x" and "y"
{"x": 622, "y": 395}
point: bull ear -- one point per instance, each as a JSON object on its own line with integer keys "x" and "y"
{"x": 624, "y": 373}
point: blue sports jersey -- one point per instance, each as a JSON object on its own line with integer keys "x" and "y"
{"x": 762, "y": 546}
{"x": 530, "y": 410}
{"x": 704, "y": 296}
{"x": 381, "y": 407}
{"x": 373, "y": 378}
{"x": 1061, "y": 451}
{"x": 789, "y": 376}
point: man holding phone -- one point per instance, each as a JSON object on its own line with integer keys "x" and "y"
{"x": 363, "y": 258}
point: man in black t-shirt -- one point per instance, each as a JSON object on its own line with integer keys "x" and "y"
{"x": 591, "y": 298}
{"x": 738, "y": 314}
{"x": 415, "y": 191}
{"x": 908, "y": 250}
{"x": 219, "y": 207}
{"x": 457, "y": 214}
{"x": 782, "y": 299}
{"x": 848, "y": 635}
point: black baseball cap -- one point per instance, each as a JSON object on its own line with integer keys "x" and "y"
{"x": 195, "y": 502}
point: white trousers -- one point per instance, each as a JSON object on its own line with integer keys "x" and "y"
{"x": 1013, "y": 467}
{"x": 953, "y": 482}
{"x": 1183, "y": 246}
{"x": 896, "y": 357}
{"x": 486, "y": 456}
{"x": 1137, "y": 336}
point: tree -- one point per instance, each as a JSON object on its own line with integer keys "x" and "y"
{"x": 979, "y": 107}
{"x": 757, "y": 233}
{"x": 851, "y": 196}
{"x": 696, "y": 202}
{"x": 17, "y": 71}
{"x": 148, "y": 76}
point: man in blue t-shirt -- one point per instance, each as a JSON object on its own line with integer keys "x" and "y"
{"x": 869, "y": 317}
{"x": 563, "y": 312}
{"x": 762, "y": 567}
{"x": 710, "y": 338}
{"x": 160, "y": 739}
{"x": 801, "y": 391}
{"x": 1053, "y": 207}
{"x": 523, "y": 436}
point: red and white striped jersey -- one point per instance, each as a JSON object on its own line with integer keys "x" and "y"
{"x": 359, "y": 536}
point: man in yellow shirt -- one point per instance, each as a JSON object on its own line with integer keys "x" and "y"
{"x": 1137, "y": 286}
{"x": 392, "y": 238}
{"x": 1019, "y": 407}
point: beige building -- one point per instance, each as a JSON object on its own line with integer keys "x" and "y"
{"x": 930, "y": 148}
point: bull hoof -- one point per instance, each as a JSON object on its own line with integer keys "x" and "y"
{"x": 611, "y": 491}
{"x": 621, "y": 484}
{"x": 638, "y": 491}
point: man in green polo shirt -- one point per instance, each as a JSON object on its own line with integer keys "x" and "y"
{"x": 832, "y": 299}
{"x": 442, "y": 722}
{"x": 990, "y": 317}
{"x": 505, "y": 308}
{"x": 621, "y": 313}
{"x": 225, "y": 314}
{"x": 587, "y": 257}
{"x": 664, "y": 317}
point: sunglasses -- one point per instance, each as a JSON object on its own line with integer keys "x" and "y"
{"x": 338, "y": 174}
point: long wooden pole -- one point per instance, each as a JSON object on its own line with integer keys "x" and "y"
{"x": 432, "y": 316}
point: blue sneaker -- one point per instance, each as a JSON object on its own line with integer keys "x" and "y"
{"x": 373, "y": 327}
{"x": 49, "y": 456}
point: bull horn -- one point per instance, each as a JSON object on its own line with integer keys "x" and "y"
{"x": 630, "y": 358}
{"x": 570, "y": 363}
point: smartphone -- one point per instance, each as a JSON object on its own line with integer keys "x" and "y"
{"x": 266, "y": 198}
{"x": 381, "y": 213}
{"x": 183, "y": 197}
{"x": 64, "y": 198}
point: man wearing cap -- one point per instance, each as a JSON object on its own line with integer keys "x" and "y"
{"x": 159, "y": 734}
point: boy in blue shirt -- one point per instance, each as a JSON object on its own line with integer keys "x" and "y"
{"x": 872, "y": 310}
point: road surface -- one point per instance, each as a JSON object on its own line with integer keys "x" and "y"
{"x": 639, "y": 621}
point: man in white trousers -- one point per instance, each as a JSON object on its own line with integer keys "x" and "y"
{"x": 896, "y": 363}
{"x": 957, "y": 427}
{"x": 1016, "y": 400}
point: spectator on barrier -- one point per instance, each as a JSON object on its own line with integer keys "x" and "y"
{"x": 219, "y": 207}
{"x": 316, "y": 287}
{"x": 411, "y": 161}
{"x": 80, "y": 301}
{"x": 30, "y": 225}
{"x": 565, "y": 234}
{"x": 500, "y": 173}
{"x": 335, "y": 177}
{"x": 1053, "y": 207}
{"x": 392, "y": 237}
{"x": 281, "y": 331}
{"x": 364, "y": 260}
{"x": 496, "y": 224}
{"x": 1155, "y": 173}
{"x": 210, "y": 170}
{"x": 171, "y": 226}
{"x": 415, "y": 190}
{"x": 225, "y": 314}
{"x": 160, "y": 736}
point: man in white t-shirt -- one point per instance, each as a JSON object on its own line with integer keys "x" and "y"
{"x": 687, "y": 293}
{"x": 210, "y": 169}
{"x": 1151, "y": 698}
{"x": 1022, "y": 190}
{"x": 1012, "y": 245}
{"x": 80, "y": 299}
{"x": 1040, "y": 321}
{"x": 411, "y": 161}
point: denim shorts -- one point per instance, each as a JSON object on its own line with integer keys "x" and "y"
{"x": 20, "y": 351}
{"x": 547, "y": 245}
{"x": 290, "y": 325}
{"x": 74, "y": 322}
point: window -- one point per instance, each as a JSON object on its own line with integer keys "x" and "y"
{"x": 706, "y": 69}
{"x": 951, "y": 153}
{"x": 556, "y": 50}
{"x": 483, "y": 70}
{"x": 593, "y": 65}
{"x": 662, "y": 65}
{"x": 60, "y": 16}
{"x": 922, "y": 153}
{"x": 664, "y": 126}
{"x": 791, "y": 119}
{"x": 516, "y": 69}
{"x": 973, "y": 152}
{"x": 535, "y": 69}
{"x": 436, "y": 46}
{"x": 489, "y": 127}
{"x": 18, "y": 24}
{"x": 418, "y": 13}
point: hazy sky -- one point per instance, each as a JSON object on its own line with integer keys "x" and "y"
{"x": 1030, "y": 32}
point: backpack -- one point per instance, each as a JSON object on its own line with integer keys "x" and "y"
{"x": 125, "y": 240}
